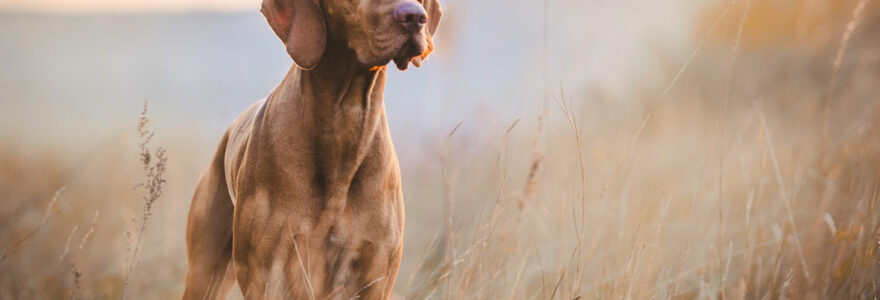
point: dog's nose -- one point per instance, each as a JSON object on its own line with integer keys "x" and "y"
{"x": 411, "y": 15}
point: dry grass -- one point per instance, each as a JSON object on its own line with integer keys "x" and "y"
{"x": 154, "y": 164}
{"x": 739, "y": 178}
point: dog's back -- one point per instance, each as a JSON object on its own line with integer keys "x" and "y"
{"x": 209, "y": 230}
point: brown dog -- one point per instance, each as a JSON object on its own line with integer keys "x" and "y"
{"x": 303, "y": 199}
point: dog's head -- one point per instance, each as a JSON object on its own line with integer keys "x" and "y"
{"x": 377, "y": 31}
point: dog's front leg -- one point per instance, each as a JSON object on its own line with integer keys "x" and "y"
{"x": 253, "y": 236}
{"x": 264, "y": 253}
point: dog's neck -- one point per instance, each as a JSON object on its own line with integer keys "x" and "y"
{"x": 335, "y": 110}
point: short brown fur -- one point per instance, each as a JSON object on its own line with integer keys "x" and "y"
{"x": 303, "y": 198}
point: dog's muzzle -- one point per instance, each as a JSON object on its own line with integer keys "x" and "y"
{"x": 412, "y": 17}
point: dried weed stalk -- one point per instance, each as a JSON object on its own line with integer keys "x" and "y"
{"x": 154, "y": 164}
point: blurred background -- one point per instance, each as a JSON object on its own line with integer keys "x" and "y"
{"x": 604, "y": 149}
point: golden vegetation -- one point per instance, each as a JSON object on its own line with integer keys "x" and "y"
{"x": 757, "y": 175}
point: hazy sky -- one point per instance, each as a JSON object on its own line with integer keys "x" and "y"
{"x": 109, "y": 6}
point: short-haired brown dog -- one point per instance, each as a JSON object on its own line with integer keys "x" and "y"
{"x": 302, "y": 199}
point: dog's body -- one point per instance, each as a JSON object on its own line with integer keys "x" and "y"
{"x": 303, "y": 199}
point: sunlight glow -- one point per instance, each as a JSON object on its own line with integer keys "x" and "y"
{"x": 125, "y": 6}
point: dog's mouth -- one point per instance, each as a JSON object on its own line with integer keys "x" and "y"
{"x": 414, "y": 51}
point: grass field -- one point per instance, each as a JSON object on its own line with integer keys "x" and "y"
{"x": 753, "y": 172}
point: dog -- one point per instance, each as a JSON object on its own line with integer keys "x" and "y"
{"x": 302, "y": 199}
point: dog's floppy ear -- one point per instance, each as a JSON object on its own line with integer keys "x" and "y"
{"x": 300, "y": 25}
{"x": 432, "y": 7}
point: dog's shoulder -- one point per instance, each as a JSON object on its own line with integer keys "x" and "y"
{"x": 239, "y": 133}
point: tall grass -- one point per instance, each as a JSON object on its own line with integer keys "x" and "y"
{"x": 21, "y": 236}
{"x": 741, "y": 181}
{"x": 154, "y": 164}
